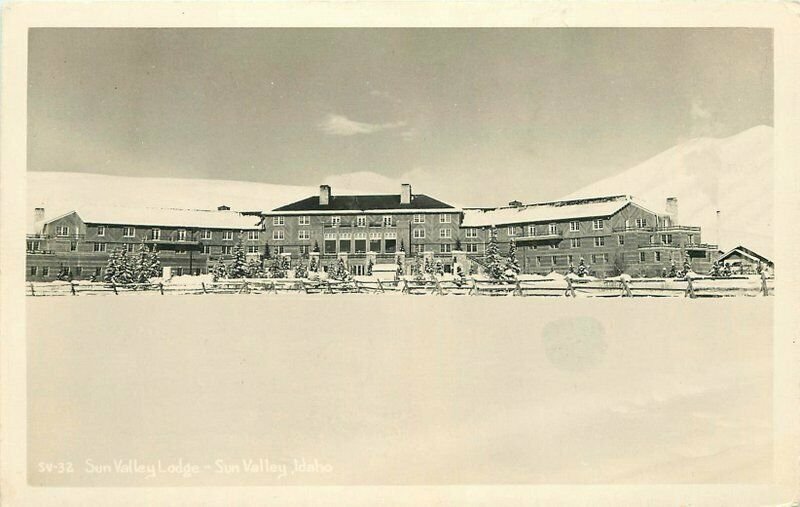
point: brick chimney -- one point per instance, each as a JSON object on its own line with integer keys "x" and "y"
{"x": 672, "y": 209}
{"x": 38, "y": 214}
{"x": 324, "y": 195}
{"x": 405, "y": 193}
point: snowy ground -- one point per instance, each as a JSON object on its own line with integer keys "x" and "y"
{"x": 402, "y": 391}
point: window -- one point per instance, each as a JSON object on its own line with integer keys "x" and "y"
{"x": 657, "y": 256}
{"x": 303, "y": 249}
{"x": 445, "y": 233}
{"x": 552, "y": 229}
{"x": 599, "y": 241}
{"x": 336, "y": 221}
{"x": 129, "y": 247}
{"x": 227, "y": 250}
{"x": 445, "y": 248}
{"x": 181, "y": 250}
{"x": 512, "y": 231}
{"x": 641, "y": 222}
{"x": 570, "y": 258}
{"x": 252, "y": 235}
{"x": 101, "y": 230}
{"x": 554, "y": 260}
{"x": 33, "y": 246}
{"x": 329, "y": 245}
{"x": 128, "y": 232}
{"x": 419, "y": 248}
{"x": 390, "y": 242}
{"x": 360, "y": 243}
{"x": 206, "y": 234}
{"x": 156, "y": 234}
{"x": 444, "y": 219}
{"x": 344, "y": 242}
{"x": 62, "y": 230}
{"x": 303, "y": 234}
{"x": 666, "y": 239}
{"x": 375, "y": 245}
{"x": 97, "y": 271}
{"x": 34, "y": 270}
{"x": 653, "y": 240}
{"x": 574, "y": 226}
{"x": 206, "y": 249}
{"x": 419, "y": 219}
{"x": 531, "y": 230}
{"x": 641, "y": 256}
{"x": 179, "y": 271}
{"x": 621, "y": 240}
{"x": 252, "y": 249}
{"x": 538, "y": 261}
{"x": 304, "y": 220}
{"x": 419, "y": 233}
{"x": 73, "y": 245}
{"x": 361, "y": 221}
{"x": 45, "y": 270}
{"x": 472, "y": 247}
{"x": 181, "y": 234}
{"x": 278, "y": 220}
{"x": 594, "y": 258}
{"x": 388, "y": 221}
{"x": 278, "y": 235}
{"x": 227, "y": 235}
{"x": 99, "y": 247}
{"x": 470, "y": 233}
{"x": 278, "y": 250}
{"x": 598, "y": 224}
{"x": 552, "y": 246}
{"x": 575, "y": 243}
{"x": 690, "y": 239}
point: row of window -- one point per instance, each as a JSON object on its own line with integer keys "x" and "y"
{"x": 78, "y": 271}
{"x": 361, "y": 221}
{"x": 155, "y": 233}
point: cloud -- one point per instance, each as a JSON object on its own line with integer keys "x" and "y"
{"x": 340, "y": 125}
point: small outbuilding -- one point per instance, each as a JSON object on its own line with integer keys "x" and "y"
{"x": 744, "y": 260}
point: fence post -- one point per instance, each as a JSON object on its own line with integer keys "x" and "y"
{"x": 72, "y": 288}
{"x": 570, "y": 288}
{"x": 626, "y": 288}
{"x": 203, "y": 285}
{"x": 517, "y": 288}
{"x": 438, "y": 287}
{"x": 161, "y": 287}
{"x": 114, "y": 286}
{"x": 33, "y": 292}
{"x": 380, "y": 285}
{"x": 764, "y": 288}
{"x": 689, "y": 288}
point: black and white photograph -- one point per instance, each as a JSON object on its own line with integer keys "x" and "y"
{"x": 401, "y": 256}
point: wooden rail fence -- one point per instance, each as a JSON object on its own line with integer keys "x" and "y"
{"x": 567, "y": 287}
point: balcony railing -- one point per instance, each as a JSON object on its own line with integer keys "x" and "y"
{"x": 686, "y": 228}
{"x": 702, "y": 246}
{"x": 633, "y": 228}
{"x": 539, "y": 237}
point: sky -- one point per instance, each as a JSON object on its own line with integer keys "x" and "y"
{"x": 482, "y": 116}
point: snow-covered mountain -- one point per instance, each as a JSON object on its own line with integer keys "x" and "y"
{"x": 733, "y": 175}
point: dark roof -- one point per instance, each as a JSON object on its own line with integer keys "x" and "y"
{"x": 363, "y": 203}
{"x": 745, "y": 250}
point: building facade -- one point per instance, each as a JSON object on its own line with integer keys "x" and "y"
{"x": 188, "y": 241}
{"x": 611, "y": 235}
{"x": 363, "y": 228}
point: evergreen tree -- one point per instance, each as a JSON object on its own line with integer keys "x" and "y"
{"x": 276, "y": 269}
{"x": 715, "y": 269}
{"x": 112, "y": 266}
{"x": 428, "y": 267}
{"x": 316, "y": 247}
{"x": 439, "y": 267}
{"x": 673, "y": 270}
{"x": 496, "y": 266}
{"x": 726, "y": 270}
{"x": 419, "y": 268}
{"x": 458, "y": 244}
{"x": 313, "y": 266}
{"x": 220, "y": 270}
{"x": 301, "y": 271}
{"x": 369, "y": 268}
{"x": 571, "y": 268}
{"x": 155, "y": 265}
{"x": 141, "y": 269}
{"x": 255, "y": 269}
{"x": 583, "y": 270}
{"x": 513, "y": 263}
{"x": 124, "y": 271}
{"x": 402, "y": 246}
{"x": 238, "y": 267}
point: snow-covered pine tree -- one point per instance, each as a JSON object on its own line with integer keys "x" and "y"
{"x": 402, "y": 246}
{"x": 428, "y": 267}
{"x": 495, "y": 263}
{"x": 238, "y": 267}
{"x": 726, "y": 269}
{"x": 301, "y": 271}
{"x": 438, "y": 267}
{"x": 155, "y": 265}
{"x": 715, "y": 269}
{"x": 313, "y": 266}
{"x": 255, "y": 269}
{"x": 316, "y": 247}
{"x": 141, "y": 268}
{"x": 112, "y": 266}
{"x": 275, "y": 269}
{"x": 124, "y": 271}
{"x": 583, "y": 270}
{"x": 512, "y": 263}
{"x": 220, "y": 270}
{"x": 369, "y": 268}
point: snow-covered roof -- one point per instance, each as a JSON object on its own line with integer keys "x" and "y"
{"x": 164, "y": 217}
{"x": 547, "y": 211}
{"x": 747, "y": 252}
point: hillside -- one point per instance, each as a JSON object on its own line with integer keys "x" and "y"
{"x": 732, "y": 175}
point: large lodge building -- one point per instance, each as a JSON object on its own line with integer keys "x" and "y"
{"x": 611, "y": 234}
